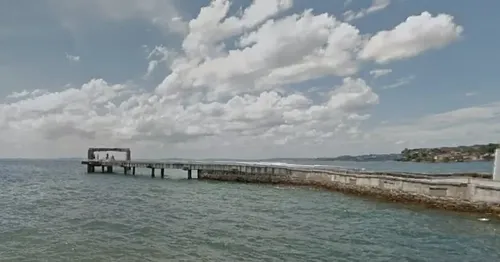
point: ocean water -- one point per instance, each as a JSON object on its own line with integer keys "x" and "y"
{"x": 411, "y": 167}
{"x": 53, "y": 211}
{"x": 390, "y": 166}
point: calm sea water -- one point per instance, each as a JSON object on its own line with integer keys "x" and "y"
{"x": 53, "y": 211}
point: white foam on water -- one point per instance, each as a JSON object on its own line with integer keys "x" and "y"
{"x": 282, "y": 164}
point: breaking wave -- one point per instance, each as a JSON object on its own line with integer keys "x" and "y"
{"x": 284, "y": 164}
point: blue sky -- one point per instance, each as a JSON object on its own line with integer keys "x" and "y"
{"x": 113, "y": 40}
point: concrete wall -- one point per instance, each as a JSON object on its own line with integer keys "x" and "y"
{"x": 454, "y": 193}
{"x": 485, "y": 193}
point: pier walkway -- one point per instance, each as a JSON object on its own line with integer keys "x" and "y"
{"x": 129, "y": 167}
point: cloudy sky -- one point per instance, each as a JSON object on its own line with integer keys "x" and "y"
{"x": 246, "y": 79}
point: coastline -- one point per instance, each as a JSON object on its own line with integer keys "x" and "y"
{"x": 444, "y": 162}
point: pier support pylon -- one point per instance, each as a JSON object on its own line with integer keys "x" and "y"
{"x": 163, "y": 173}
{"x": 152, "y": 172}
{"x": 133, "y": 170}
{"x": 190, "y": 176}
{"x": 496, "y": 165}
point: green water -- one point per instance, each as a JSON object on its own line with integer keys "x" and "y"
{"x": 53, "y": 211}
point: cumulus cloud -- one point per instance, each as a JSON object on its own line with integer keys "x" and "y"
{"x": 229, "y": 86}
{"x": 281, "y": 51}
{"x": 102, "y": 112}
{"x": 416, "y": 35}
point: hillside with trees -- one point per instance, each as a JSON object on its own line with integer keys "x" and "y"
{"x": 484, "y": 152}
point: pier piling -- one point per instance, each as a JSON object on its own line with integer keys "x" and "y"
{"x": 133, "y": 171}
{"x": 189, "y": 174}
{"x": 163, "y": 173}
{"x": 152, "y": 172}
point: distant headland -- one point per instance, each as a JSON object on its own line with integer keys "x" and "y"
{"x": 479, "y": 152}
{"x": 356, "y": 158}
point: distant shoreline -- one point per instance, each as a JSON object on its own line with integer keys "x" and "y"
{"x": 456, "y": 154}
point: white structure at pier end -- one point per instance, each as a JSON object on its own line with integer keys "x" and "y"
{"x": 496, "y": 165}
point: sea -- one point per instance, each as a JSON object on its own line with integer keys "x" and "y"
{"x": 51, "y": 210}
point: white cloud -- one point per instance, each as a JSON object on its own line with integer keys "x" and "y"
{"x": 72, "y": 58}
{"x": 400, "y": 82}
{"x": 212, "y": 26}
{"x": 412, "y": 37}
{"x": 376, "y": 6}
{"x": 102, "y": 113}
{"x": 478, "y": 124}
{"x": 471, "y": 94}
{"x": 228, "y": 90}
{"x": 26, "y": 93}
{"x": 21, "y": 94}
{"x": 376, "y": 73}
{"x": 282, "y": 51}
{"x": 159, "y": 54}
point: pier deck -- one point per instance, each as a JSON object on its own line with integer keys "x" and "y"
{"x": 257, "y": 168}
{"x": 107, "y": 166}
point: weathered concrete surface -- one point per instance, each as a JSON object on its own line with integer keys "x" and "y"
{"x": 458, "y": 193}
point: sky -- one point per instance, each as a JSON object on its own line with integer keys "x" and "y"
{"x": 246, "y": 79}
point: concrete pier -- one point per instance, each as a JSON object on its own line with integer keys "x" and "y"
{"x": 459, "y": 192}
